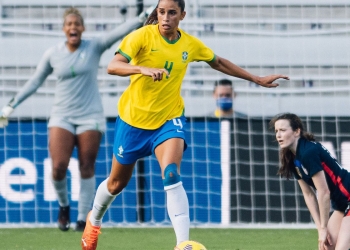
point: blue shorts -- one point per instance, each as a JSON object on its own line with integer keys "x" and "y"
{"x": 131, "y": 144}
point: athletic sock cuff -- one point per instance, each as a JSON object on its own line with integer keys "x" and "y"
{"x": 173, "y": 186}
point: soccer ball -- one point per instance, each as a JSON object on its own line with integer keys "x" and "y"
{"x": 190, "y": 245}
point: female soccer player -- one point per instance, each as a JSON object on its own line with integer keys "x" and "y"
{"x": 77, "y": 117}
{"x": 151, "y": 111}
{"x": 315, "y": 169}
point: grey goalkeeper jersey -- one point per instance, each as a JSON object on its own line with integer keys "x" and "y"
{"x": 76, "y": 91}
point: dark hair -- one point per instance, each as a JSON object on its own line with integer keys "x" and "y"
{"x": 73, "y": 11}
{"x": 153, "y": 18}
{"x": 286, "y": 155}
{"x": 222, "y": 82}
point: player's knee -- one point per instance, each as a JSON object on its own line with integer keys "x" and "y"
{"x": 59, "y": 172}
{"x": 87, "y": 170}
{"x": 171, "y": 175}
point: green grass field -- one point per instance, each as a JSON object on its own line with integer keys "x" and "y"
{"x": 161, "y": 239}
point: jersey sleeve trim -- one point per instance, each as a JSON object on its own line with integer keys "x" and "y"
{"x": 212, "y": 60}
{"x": 123, "y": 54}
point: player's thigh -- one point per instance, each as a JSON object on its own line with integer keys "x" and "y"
{"x": 88, "y": 144}
{"x": 334, "y": 225}
{"x": 61, "y": 145}
{"x": 170, "y": 151}
{"x": 119, "y": 176}
{"x": 343, "y": 241}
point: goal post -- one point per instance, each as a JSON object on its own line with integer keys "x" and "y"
{"x": 225, "y": 161}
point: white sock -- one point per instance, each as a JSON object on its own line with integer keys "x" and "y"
{"x": 103, "y": 200}
{"x": 86, "y": 197}
{"x": 61, "y": 191}
{"x": 178, "y": 211}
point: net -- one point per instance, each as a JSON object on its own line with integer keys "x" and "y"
{"x": 229, "y": 168}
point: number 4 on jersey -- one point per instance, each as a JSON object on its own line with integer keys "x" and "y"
{"x": 168, "y": 66}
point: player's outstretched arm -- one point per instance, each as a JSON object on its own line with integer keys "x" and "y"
{"x": 43, "y": 69}
{"x": 125, "y": 28}
{"x": 225, "y": 66}
{"x": 119, "y": 32}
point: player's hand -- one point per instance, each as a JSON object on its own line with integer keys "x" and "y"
{"x": 4, "y": 114}
{"x": 156, "y": 74}
{"x": 324, "y": 240}
{"x": 268, "y": 81}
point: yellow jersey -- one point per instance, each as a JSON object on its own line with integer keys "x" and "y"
{"x": 146, "y": 104}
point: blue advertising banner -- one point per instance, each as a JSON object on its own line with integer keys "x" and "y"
{"x": 27, "y": 195}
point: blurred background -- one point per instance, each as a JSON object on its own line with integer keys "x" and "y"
{"x": 306, "y": 40}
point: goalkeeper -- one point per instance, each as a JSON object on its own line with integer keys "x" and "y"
{"x": 151, "y": 111}
{"x": 315, "y": 169}
{"x": 76, "y": 117}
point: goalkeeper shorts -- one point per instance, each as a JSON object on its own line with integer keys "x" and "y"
{"x": 78, "y": 125}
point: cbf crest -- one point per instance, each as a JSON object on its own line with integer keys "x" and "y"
{"x": 184, "y": 56}
{"x": 82, "y": 55}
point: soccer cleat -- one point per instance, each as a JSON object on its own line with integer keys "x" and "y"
{"x": 80, "y": 226}
{"x": 90, "y": 235}
{"x": 63, "y": 218}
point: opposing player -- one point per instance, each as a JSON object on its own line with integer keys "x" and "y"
{"x": 76, "y": 117}
{"x": 315, "y": 169}
{"x": 151, "y": 111}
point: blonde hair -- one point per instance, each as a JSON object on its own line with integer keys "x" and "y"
{"x": 73, "y": 11}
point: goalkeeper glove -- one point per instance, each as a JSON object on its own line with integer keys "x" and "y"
{"x": 4, "y": 114}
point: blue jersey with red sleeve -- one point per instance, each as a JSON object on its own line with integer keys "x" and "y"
{"x": 312, "y": 157}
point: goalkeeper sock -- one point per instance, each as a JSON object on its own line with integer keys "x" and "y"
{"x": 178, "y": 211}
{"x": 103, "y": 200}
{"x": 61, "y": 191}
{"x": 86, "y": 197}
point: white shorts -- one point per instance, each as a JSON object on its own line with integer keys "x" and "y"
{"x": 78, "y": 125}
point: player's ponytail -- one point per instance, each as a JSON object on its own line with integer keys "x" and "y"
{"x": 286, "y": 155}
{"x": 152, "y": 18}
